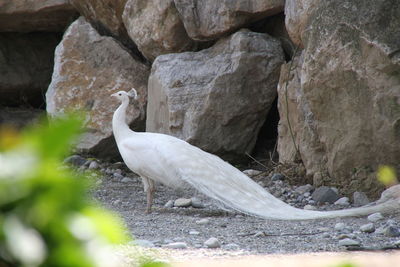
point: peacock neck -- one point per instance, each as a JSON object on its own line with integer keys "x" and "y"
{"x": 120, "y": 127}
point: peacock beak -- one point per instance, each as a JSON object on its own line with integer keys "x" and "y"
{"x": 114, "y": 95}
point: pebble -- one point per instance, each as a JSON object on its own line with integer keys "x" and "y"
{"x": 375, "y": 217}
{"x": 183, "y": 202}
{"x": 212, "y": 243}
{"x": 144, "y": 243}
{"x": 251, "y": 172}
{"x": 169, "y": 204}
{"x": 360, "y": 199}
{"x": 126, "y": 180}
{"x": 203, "y": 221}
{"x": 277, "y": 177}
{"x": 325, "y": 194}
{"x": 93, "y": 165}
{"x": 367, "y": 228}
{"x": 196, "y": 203}
{"x": 340, "y": 226}
{"x": 118, "y": 176}
{"x": 193, "y": 232}
{"x": 391, "y": 231}
{"x": 75, "y": 160}
{"x": 258, "y": 234}
{"x": 176, "y": 245}
{"x": 303, "y": 189}
{"x": 347, "y": 242}
{"x": 343, "y": 201}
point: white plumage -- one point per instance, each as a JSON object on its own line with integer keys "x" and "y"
{"x": 176, "y": 163}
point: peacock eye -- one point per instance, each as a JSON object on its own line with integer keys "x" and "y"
{"x": 119, "y": 94}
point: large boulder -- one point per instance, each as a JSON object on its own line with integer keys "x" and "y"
{"x": 217, "y": 98}
{"x": 210, "y": 19}
{"x": 88, "y": 68}
{"x": 106, "y": 17}
{"x": 349, "y": 91}
{"x": 26, "y": 64}
{"x": 155, "y": 27}
{"x": 33, "y": 15}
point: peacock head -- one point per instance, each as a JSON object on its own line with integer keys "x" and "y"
{"x": 121, "y": 95}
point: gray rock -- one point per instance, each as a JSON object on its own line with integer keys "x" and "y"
{"x": 75, "y": 160}
{"x": 182, "y": 202}
{"x": 193, "y": 232}
{"x": 212, "y": 243}
{"x": 367, "y": 228}
{"x": 375, "y": 217}
{"x": 208, "y": 97}
{"x": 360, "y": 199}
{"x": 325, "y": 194}
{"x": 118, "y": 176}
{"x": 169, "y": 204}
{"x": 203, "y": 221}
{"x": 343, "y": 201}
{"x": 196, "y": 203}
{"x": 340, "y": 226}
{"x": 259, "y": 233}
{"x": 126, "y": 180}
{"x": 309, "y": 207}
{"x": 277, "y": 177}
{"x": 303, "y": 189}
{"x": 93, "y": 165}
{"x": 231, "y": 246}
{"x": 391, "y": 231}
{"x": 176, "y": 245}
{"x": 347, "y": 242}
{"x": 209, "y": 19}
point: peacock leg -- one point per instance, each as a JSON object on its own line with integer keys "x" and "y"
{"x": 149, "y": 188}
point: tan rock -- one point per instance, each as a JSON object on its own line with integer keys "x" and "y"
{"x": 349, "y": 92}
{"x": 210, "y": 19}
{"x": 216, "y": 98}
{"x": 88, "y": 68}
{"x": 155, "y": 27}
{"x": 33, "y": 15}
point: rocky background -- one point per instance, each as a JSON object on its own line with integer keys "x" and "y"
{"x": 216, "y": 74}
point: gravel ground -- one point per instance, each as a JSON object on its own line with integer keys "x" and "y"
{"x": 238, "y": 234}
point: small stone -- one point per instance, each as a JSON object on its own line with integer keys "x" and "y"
{"x": 118, "y": 176}
{"x": 277, "y": 177}
{"x": 193, "y": 232}
{"x": 196, "y": 203}
{"x": 326, "y": 235}
{"x": 183, "y": 202}
{"x": 304, "y": 189}
{"x": 397, "y": 243}
{"x": 347, "y": 242}
{"x": 343, "y": 201}
{"x": 231, "y": 246}
{"x": 343, "y": 236}
{"x": 203, "y": 221}
{"x": 116, "y": 202}
{"x": 75, "y": 160}
{"x": 392, "y": 231}
{"x": 374, "y": 217}
{"x": 169, "y": 204}
{"x": 309, "y": 207}
{"x": 325, "y": 194}
{"x": 93, "y": 165}
{"x": 144, "y": 243}
{"x": 335, "y": 190}
{"x": 258, "y": 234}
{"x": 126, "y": 180}
{"x": 252, "y": 172}
{"x": 360, "y": 199}
{"x": 176, "y": 245}
{"x": 212, "y": 243}
{"x": 340, "y": 226}
{"x": 367, "y": 228}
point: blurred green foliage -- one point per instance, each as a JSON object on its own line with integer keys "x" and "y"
{"x": 46, "y": 216}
